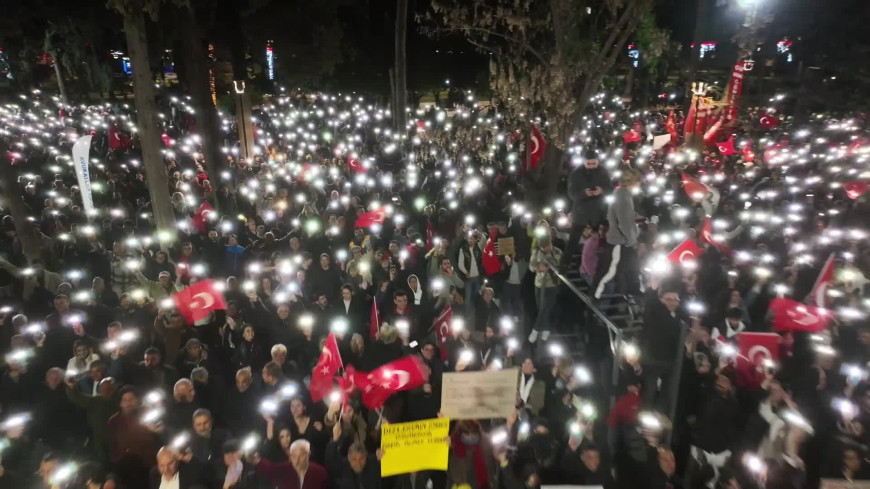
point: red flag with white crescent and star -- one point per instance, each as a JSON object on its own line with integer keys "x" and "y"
{"x": 727, "y": 147}
{"x": 671, "y": 126}
{"x": 327, "y": 366}
{"x": 536, "y": 150}
{"x": 707, "y": 237}
{"x": 694, "y": 189}
{"x": 443, "y": 330}
{"x": 198, "y": 300}
{"x": 401, "y": 375}
{"x": 355, "y": 165}
{"x": 491, "y": 262}
{"x": 757, "y": 347}
{"x": 687, "y": 251}
{"x": 818, "y": 295}
{"x": 789, "y": 315}
{"x": 369, "y": 219}
{"x": 855, "y": 189}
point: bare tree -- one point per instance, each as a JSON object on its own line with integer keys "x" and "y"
{"x": 401, "y": 69}
{"x": 550, "y": 56}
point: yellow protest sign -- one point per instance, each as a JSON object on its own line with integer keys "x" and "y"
{"x": 414, "y": 446}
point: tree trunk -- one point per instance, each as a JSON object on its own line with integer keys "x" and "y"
{"x": 243, "y": 120}
{"x": 401, "y": 68}
{"x": 703, "y": 10}
{"x": 61, "y": 86}
{"x": 146, "y": 121}
{"x": 196, "y": 65}
{"x": 30, "y": 242}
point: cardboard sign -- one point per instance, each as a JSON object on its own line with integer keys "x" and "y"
{"x": 479, "y": 395}
{"x": 505, "y": 246}
{"x": 415, "y": 446}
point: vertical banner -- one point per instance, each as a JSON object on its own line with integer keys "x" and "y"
{"x": 734, "y": 89}
{"x": 80, "y": 151}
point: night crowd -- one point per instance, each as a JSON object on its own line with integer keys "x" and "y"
{"x": 105, "y": 383}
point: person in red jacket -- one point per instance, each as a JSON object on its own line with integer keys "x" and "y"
{"x": 298, "y": 473}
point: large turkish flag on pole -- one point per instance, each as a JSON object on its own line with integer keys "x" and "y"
{"x": 198, "y": 300}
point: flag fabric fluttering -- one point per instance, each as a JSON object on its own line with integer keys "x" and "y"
{"x": 197, "y": 301}
{"x": 369, "y": 219}
{"x": 707, "y": 237}
{"x": 671, "y": 126}
{"x": 687, "y": 251}
{"x": 536, "y": 149}
{"x": 327, "y": 366}
{"x": 694, "y": 189}
{"x": 200, "y": 217}
{"x": 444, "y": 331}
{"x": 491, "y": 262}
{"x": 403, "y": 374}
{"x": 355, "y": 165}
{"x": 727, "y": 147}
{"x": 855, "y": 188}
{"x": 789, "y": 315}
{"x": 818, "y": 295}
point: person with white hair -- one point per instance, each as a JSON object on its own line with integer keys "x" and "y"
{"x": 299, "y": 473}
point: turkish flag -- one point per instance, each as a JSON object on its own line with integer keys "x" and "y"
{"x": 326, "y": 368}
{"x": 631, "y": 136}
{"x": 443, "y": 330}
{"x": 694, "y": 189}
{"x": 491, "y": 263}
{"x": 789, "y": 315}
{"x": 199, "y": 217}
{"x": 671, "y": 126}
{"x": 355, "y": 165}
{"x": 727, "y": 147}
{"x": 401, "y": 375}
{"x": 768, "y": 121}
{"x": 687, "y": 251}
{"x": 117, "y": 139}
{"x": 855, "y": 188}
{"x": 198, "y": 300}
{"x": 707, "y": 237}
{"x": 373, "y": 218}
{"x": 754, "y": 349}
{"x": 375, "y": 324}
{"x": 747, "y": 152}
{"x": 167, "y": 141}
{"x": 818, "y": 294}
{"x": 536, "y": 149}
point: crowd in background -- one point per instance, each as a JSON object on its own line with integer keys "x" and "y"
{"x": 106, "y": 384}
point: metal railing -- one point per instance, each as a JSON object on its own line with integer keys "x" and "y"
{"x": 614, "y": 334}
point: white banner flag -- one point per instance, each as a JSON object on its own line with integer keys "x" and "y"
{"x": 81, "y": 150}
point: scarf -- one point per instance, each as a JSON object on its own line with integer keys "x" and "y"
{"x": 526, "y": 386}
{"x": 480, "y": 470}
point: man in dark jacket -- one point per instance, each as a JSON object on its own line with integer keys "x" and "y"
{"x": 359, "y": 470}
{"x": 662, "y": 342}
{"x": 588, "y": 185}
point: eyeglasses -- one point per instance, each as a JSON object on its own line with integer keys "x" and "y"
{"x": 672, "y": 299}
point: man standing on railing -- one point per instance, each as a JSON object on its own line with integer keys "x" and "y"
{"x": 624, "y": 268}
{"x": 545, "y": 285}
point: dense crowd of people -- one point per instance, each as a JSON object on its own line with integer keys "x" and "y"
{"x": 340, "y": 226}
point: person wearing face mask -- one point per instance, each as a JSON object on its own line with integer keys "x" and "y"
{"x": 470, "y": 462}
